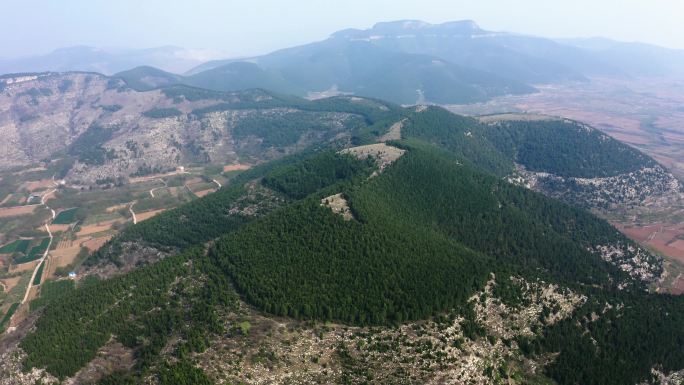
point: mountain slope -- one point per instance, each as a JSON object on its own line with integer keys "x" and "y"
{"x": 453, "y": 62}
{"x": 578, "y": 164}
{"x": 409, "y": 225}
{"x": 363, "y": 69}
{"x": 109, "y": 131}
{"x": 146, "y": 78}
{"x": 241, "y": 75}
{"x": 425, "y": 218}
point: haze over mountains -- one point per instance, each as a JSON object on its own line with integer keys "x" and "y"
{"x": 107, "y": 61}
{"x": 403, "y": 61}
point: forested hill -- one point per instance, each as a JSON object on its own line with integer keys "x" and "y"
{"x": 420, "y": 230}
{"x": 565, "y": 148}
{"x": 578, "y": 164}
{"x": 547, "y": 146}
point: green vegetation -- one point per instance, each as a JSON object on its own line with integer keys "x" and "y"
{"x": 18, "y": 246}
{"x": 88, "y": 149}
{"x": 331, "y": 269}
{"x": 66, "y": 217}
{"x": 310, "y": 175}
{"x": 426, "y": 233}
{"x": 183, "y": 373}
{"x": 35, "y": 253}
{"x": 426, "y": 205}
{"x": 565, "y": 148}
{"x": 278, "y": 131}
{"x": 8, "y": 316}
{"x": 459, "y": 135}
{"x": 52, "y": 291}
{"x": 169, "y": 296}
{"x": 112, "y": 107}
{"x": 619, "y": 347}
{"x": 241, "y": 76}
{"x": 39, "y": 274}
{"x": 159, "y": 113}
{"x": 145, "y": 78}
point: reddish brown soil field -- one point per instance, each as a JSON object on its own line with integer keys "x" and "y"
{"x": 662, "y": 237}
{"x": 236, "y": 167}
{"x": 678, "y": 289}
{"x": 148, "y": 214}
{"x": 96, "y": 228}
{"x": 95, "y": 243}
{"x": 16, "y": 211}
{"x": 202, "y": 193}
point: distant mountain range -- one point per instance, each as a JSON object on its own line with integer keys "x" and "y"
{"x": 83, "y": 58}
{"x": 406, "y": 62}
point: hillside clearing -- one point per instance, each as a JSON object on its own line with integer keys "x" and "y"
{"x": 339, "y": 205}
{"x": 394, "y": 132}
{"x": 383, "y": 154}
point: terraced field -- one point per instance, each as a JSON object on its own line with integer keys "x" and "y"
{"x": 83, "y": 221}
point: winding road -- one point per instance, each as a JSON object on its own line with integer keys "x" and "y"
{"x": 157, "y": 188}
{"x": 47, "y": 249}
{"x": 130, "y": 208}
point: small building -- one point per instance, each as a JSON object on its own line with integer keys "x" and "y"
{"x": 72, "y": 274}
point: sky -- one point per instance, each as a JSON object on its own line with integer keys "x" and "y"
{"x": 241, "y": 28}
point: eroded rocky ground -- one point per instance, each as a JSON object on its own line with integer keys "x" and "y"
{"x": 653, "y": 186}
{"x": 443, "y": 350}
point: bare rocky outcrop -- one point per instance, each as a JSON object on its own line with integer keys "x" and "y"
{"x": 637, "y": 262}
{"x": 647, "y": 186}
{"x": 339, "y": 205}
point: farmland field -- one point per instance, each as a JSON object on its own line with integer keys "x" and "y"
{"x": 35, "y": 253}
{"x": 65, "y": 217}
{"x": 85, "y": 219}
{"x": 39, "y": 274}
{"x": 16, "y": 210}
{"x": 18, "y": 246}
{"x": 6, "y": 318}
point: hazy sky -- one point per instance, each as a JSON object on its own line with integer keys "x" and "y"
{"x": 259, "y": 26}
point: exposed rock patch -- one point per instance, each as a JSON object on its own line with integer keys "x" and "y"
{"x": 383, "y": 154}
{"x": 339, "y": 205}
